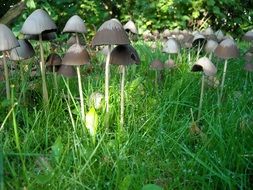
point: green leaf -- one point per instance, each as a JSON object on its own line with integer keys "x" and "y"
{"x": 31, "y": 4}
{"x": 126, "y": 183}
{"x": 57, "y": 149}
{"x": 91, "y": 122}
{"x": 151, "y": 187}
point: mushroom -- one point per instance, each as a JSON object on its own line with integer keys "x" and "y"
{"x": 53, "y": 63}
{"x": 227, "y": 49}
{"x": 171, "y": 47}
{"x": 39, "y": 23}
{"x": 220, "y": 35}
{"x": 210, "y": 47}
{"x": 131, "y": 29}
{"x": 24, "y": 51}
{"x": 123, "y": 55}
{"x": 198, "y": 41}
{"x": 207, "y": 68}
{"x": 8, "y": 42}
{"x": 109, "y": 33}
{"x": 158, "y": 66}
{"x": 77, "y": 55}
{"x": 248, "y": 36}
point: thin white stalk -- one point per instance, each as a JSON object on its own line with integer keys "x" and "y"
{"x": 201, "y": 96}
{"x": 189, "y": 56}
{"x": 6, "y": 75}
{"x": 80, "y": 92}
{"x": 211, "y": 55}
{"x": 42, "y": 69}
{"x": 107, "y": 73}
{"x": 77, "y": 39}
{"x": 55, "y": 79}
{"x": 122, "y": 91}
{"x": 223, "y": 81}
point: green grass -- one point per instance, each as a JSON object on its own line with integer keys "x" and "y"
{"x": 156, "y": 145}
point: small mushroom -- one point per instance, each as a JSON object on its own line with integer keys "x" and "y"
{"x": 171, "y": 47}
{"x": 198, "y": 41}
{"x": 109, "y": 33}
{"x": 39, "y": 23}
{"x": 210, "y": 47}
{"x": 158, "y": 66}
{"x": 205, "y": 66}
{"x": 131, "y": 29}
{"x": 248, "y": 36}
{"x": 7, "y": 42}
{"x": 227, "y": 49}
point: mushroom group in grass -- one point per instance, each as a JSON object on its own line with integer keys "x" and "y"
{"x": 7, "y": 42}
{"x": 23, "y": 52}
{"x": 207, "y": 68}
{"x": 123, "y": 55}
{"x": 227, "y": 49}
{"x": 109, "y": 33}
{"x": 37, "y": 24}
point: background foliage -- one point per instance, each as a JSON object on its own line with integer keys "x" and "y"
{"x": 233, "y": 16}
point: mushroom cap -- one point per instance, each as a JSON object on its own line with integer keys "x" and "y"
{"x": 156, "y": 65}
{"x": 248, "y": 36}
{"x": 171, "y": 46}
{"x": 169, "y": 64}
{"x": 67, "y": 71}
{"x": 45, "y": 36}
{"x": 166, "y": 33}
{"x": 198, "y": 39}
{"x": 248, "y": 67}
{"x": 210, "y": 46}
{"x": 38, "y": 22}
{"x": 110, "y": 32}
{"x": 204, "y": 64}
{"x": 124, "y": 55}
{"x": 248, "y": 57}
{"x": 24, "y": 51}
{"x": 220, "y": 35}
{"x": 130, "y": 27}
{"x": 208, "y": 31}
{"x": 53, "y": 59}
{"x": 227, "y": 49}
{"x": 76, "y": 55}
{"x": 72, "y": 40}
{"x": 75, "y": 24}
{"x": 7, "y": 39}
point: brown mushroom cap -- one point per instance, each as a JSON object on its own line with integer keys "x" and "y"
{"x": 204, "y": 64}
{"x": 210, "y": 46}
{"x": 169, "y": 64}
{"x": 7, "y": 39}
{"x": 124, "y": 55}
{"x": 38, "y": 22}
{"x": 110, "y": 32}
{"x": 24, "y": 51}
{"x": 53, "y": 59}
{"x": 227, "y": 49}
{"x": 156, "y": 65}
{"x": 76, "y": 55}
{"x": 67, "y": 71}
{"x": 171, "y": 46}
{"x": 75, "y": 24}
{"x": 130, "y": 27}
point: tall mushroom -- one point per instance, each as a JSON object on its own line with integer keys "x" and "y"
{"x": 77, "y": 55}
{"x": 109, "y": 33}
{"x": 123, "y": 55}
{"x": 227, "y": 49}
{"x": 7, "y": 42}
{"x": 37, "y": 24}
{"x": 24, "y": 51}
{"x": 208, "y": 68}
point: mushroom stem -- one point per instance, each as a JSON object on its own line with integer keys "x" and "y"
{"x": 22, "y": 79}
{"x": 223, "y": 81}
{"x": 122, "y": 96}
{"x": 211, "y": 55}
{"x": 42, "y": 69}
{"x": 80, "y": 92}
{"x": 201, "y": 96}
{"x": 77, "y": 39}
{"x": 55, "y": 79}
{"x": 6, "y": 75}
{"x": 107, "y": 72}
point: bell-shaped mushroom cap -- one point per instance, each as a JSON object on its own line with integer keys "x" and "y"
{"x": 248, "y": 36}
{"x": 169, "y": 64}
{"x": 171, "y": 46}
{"x": 220, "y": 35}
{"x": 166, "y": 33}
{"x": 156, "y": 65}
{"x": 75, "y": 24}
{"x": 248, "y": 67}
{"x": 53, "y": 60}
{"x": 198, "y": 39}
{"x": 130, "y": 27}
{"x": 110, "y": 32}
{"x": 67, "y": 71}
{"x": 38, "y": 22}
{"x": 76, "y": 55}
{"x": 204, "y": 64}
{"x": 124, "y": 55}
{"x": 72, "y": 40}
{"x": 24, "y": 51}
{"x": 227, "y": 49}
{"x": 208, "y": 31}
{"x": 7, "y": 38}
{"x": 45, "y": 36}
{"x": 210, "y": 46}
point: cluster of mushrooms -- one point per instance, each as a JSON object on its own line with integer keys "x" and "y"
{"x": 116, "y": 39}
